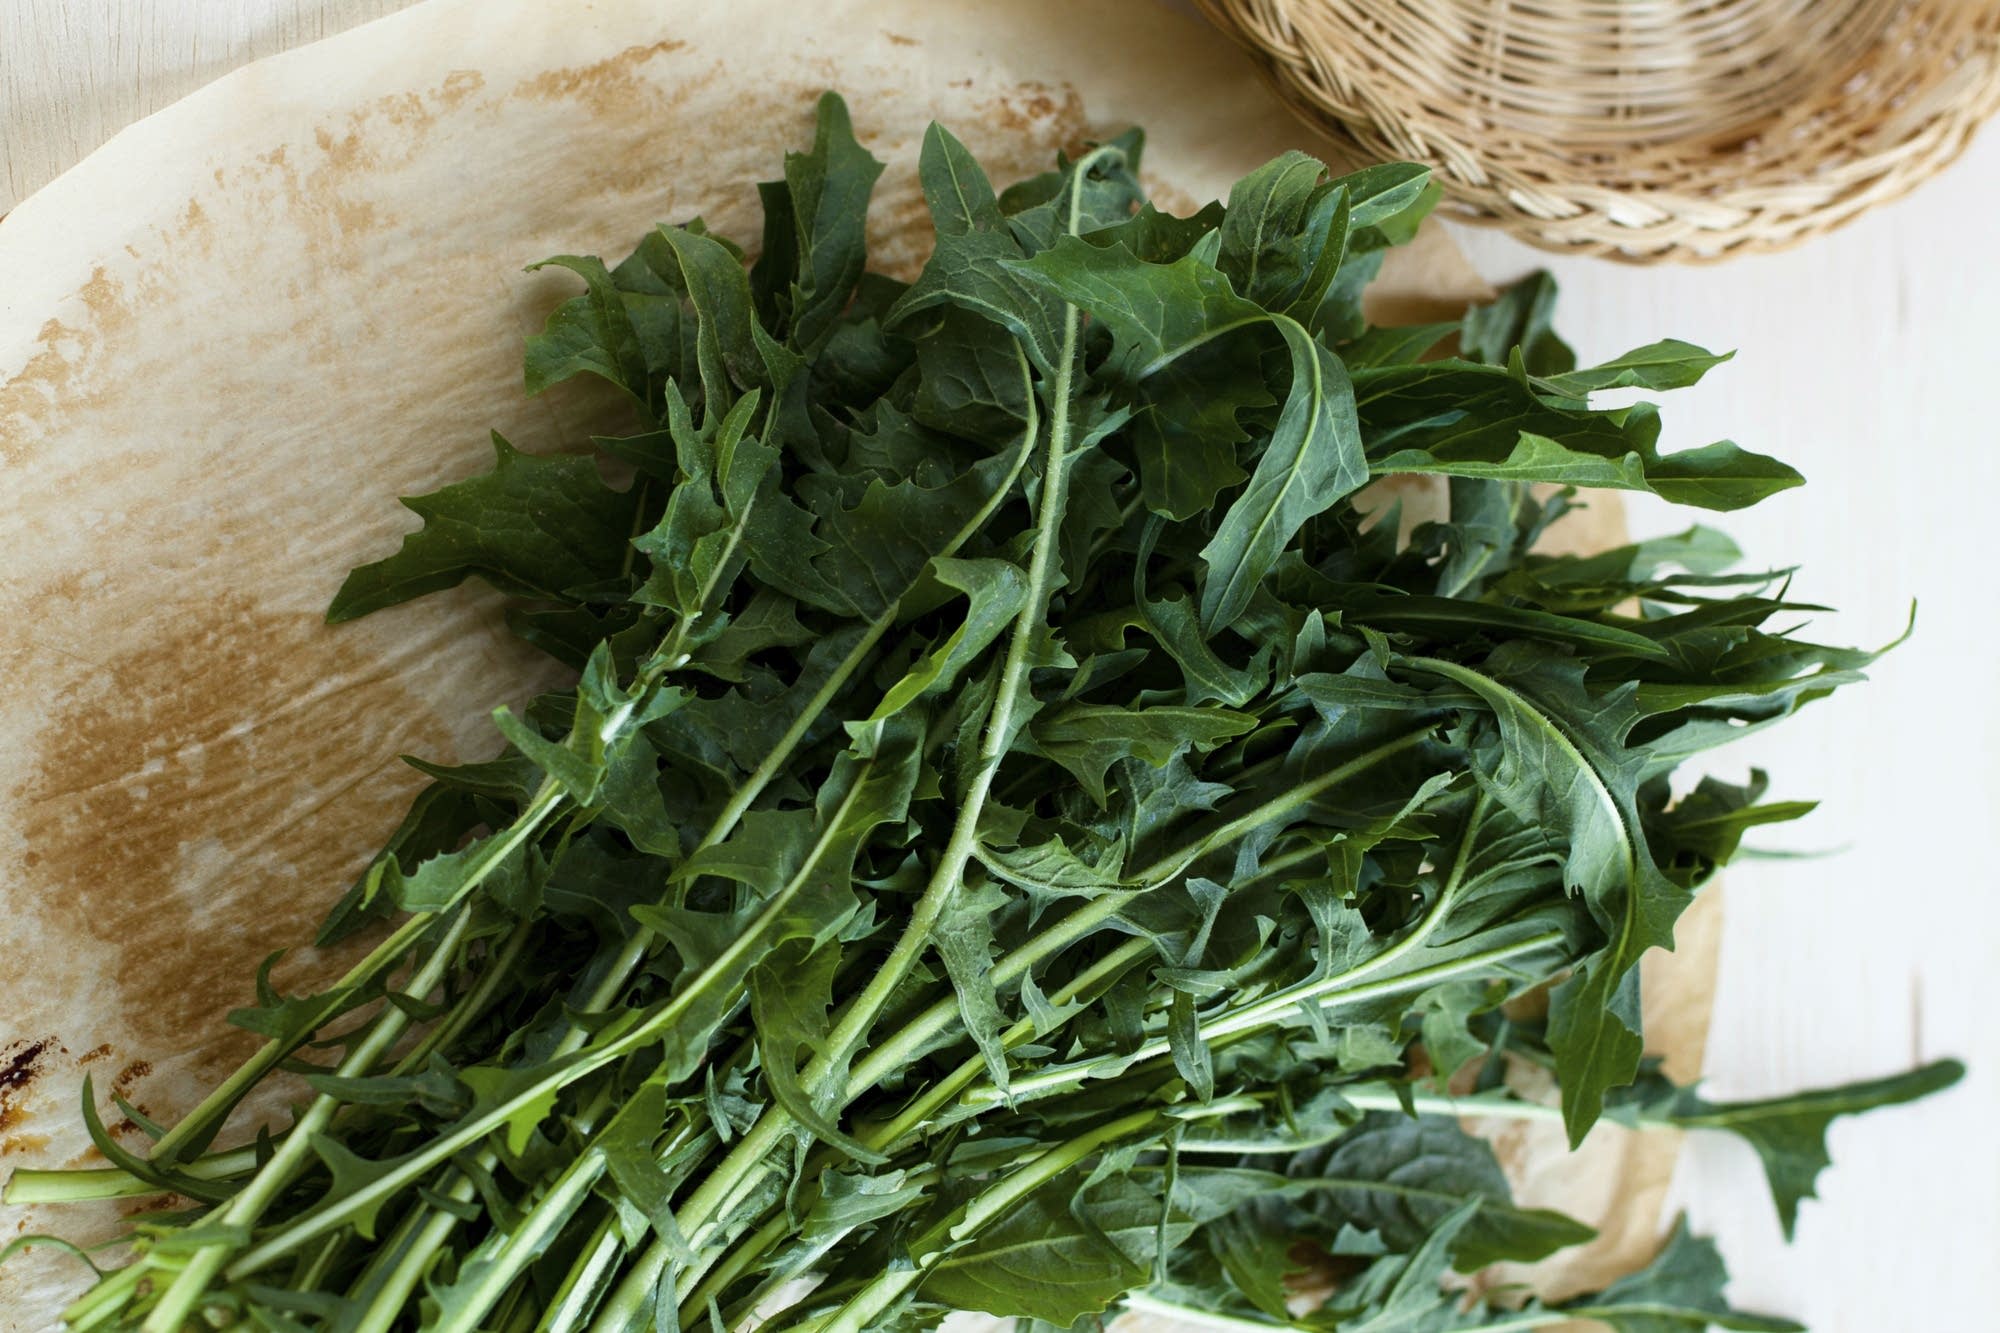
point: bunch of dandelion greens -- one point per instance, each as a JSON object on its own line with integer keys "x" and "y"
{"x": 1022, "y": 838}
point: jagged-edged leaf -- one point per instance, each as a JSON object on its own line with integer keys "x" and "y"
{"x": 533, "y": 527}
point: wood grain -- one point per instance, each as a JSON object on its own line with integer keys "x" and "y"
{"x": 75, "y": 72}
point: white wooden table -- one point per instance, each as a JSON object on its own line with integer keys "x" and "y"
{"x": 1867, "y": 360}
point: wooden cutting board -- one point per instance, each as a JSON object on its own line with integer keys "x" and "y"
{"x": 233, "y": 335}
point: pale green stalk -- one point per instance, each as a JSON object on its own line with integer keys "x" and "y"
{"x": 710, "y": 1200}
{"x": 218, "y": 1103}
{"x": 986, "y": 1207}
{"x": 179, "y": 1301}
{"x": 470, "y": 1131}
{"x": 1325, "y": 992}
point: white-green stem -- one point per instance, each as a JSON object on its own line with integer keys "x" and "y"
{"x": 498, "y": 964}
{"x": 110, "y": 1182}
{"x": 897, "y": 1050}
{"x": 705, "y": 1207}
{"x": 986, "y": 1207}
{"x": 885, "y": 1136}
{"x": 1340, "y": 988}
{"x": 1323, "y": 992}
{"x": 533, "y": 1235}
{"x": 579, "y": 1289}
{"x": 204, "y": 1117}
{"x": 1141, "y": 1303}
{"x": 171, "y": 1314}
{"x": 409, "y": 1257}
{"x": 474, "y": 1128}
{"x": 900, "y": 1048}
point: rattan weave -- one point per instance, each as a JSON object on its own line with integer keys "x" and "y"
{"x": 1642, "y": 129}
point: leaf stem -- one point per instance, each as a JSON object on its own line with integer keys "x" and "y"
{"x": 988, "y": 1206}
{"x": 70, "y": 1185}
{"x": 1140, "y": 1303}
{"x": 896, "y": 1051}
{"x": 178, "y": 1302}
{"x": 557, "y": 1074}
{"x": 584, "y": 1280}
{"x": 700, "y": 1213}
{"x": 886, "y": 1136}
{"x": 409, "y": 1258}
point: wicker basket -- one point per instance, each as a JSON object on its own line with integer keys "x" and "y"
{"x": 1642, "y": 129}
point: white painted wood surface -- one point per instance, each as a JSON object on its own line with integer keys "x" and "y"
{"x": 1866, "y": 359}
{"x": 75, "y": 72}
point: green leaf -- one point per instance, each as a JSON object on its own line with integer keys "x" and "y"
{"x": 1171, "y": 327}
{"x": 440, "y": 881}
{"x": 1261, "y": 254}
{"x": 847, "y": 1202}
{"x": 972, "y": 267}
{"x": 871, "y": 548}
{"x": 492, "y": 1086}
{"x": 1041, "y": 1262}
{"x": 1313, "y": 460}
{"x": 1720, "y": 476}
{"x": 1519, "y": 319}
{"x": 1563, "y": 765}
{"x": 790, "y": 994}
{"x": 1402, "y": 1176}
{"x": 1053, "y": 870}
{"x": 971, "y": 381}
{"x": 1087, "y": 739}
{"x": 726, "y": 348}
{"x": 1789, "y": 1132}
{"x": 1173, "y": 625}
{"x": 532, "y": 527}
{"x": 995, "y": 591}
{"x": 1667, "y": 364}
{"x": 964, "y": 940}
{"x": 588, "y": 334}
{"x": 1679, "y": 1292}
{"x": 697, "y": 546}
{"x": 826, "y": 195}
{"x": 1156, "y": 313}
{"x": 1715, "y": 476}
{"x": 1190, "y": 1051}
{"x": 1065, "y": 1252}
{"x": 353, "y": 1175}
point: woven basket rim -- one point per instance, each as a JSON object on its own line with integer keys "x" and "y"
{"x": 1902, "y": 99}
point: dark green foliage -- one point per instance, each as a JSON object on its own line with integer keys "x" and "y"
{"x": 1021, "y": 839}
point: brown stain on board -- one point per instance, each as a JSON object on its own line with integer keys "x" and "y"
{"x": 1041, "y": 113}
{"x": 196, "y": 803}
{"x": 45, "y": 387}
{"x": 20, "y": 1063}
{"x": 641, "y": 143}
{"x": 200, "y": 801}
{"x": 321, "y": 192}
{"x": 607, "y": 88}
{"x": 54, "y": 384}
{"x": 61, "y": 378}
